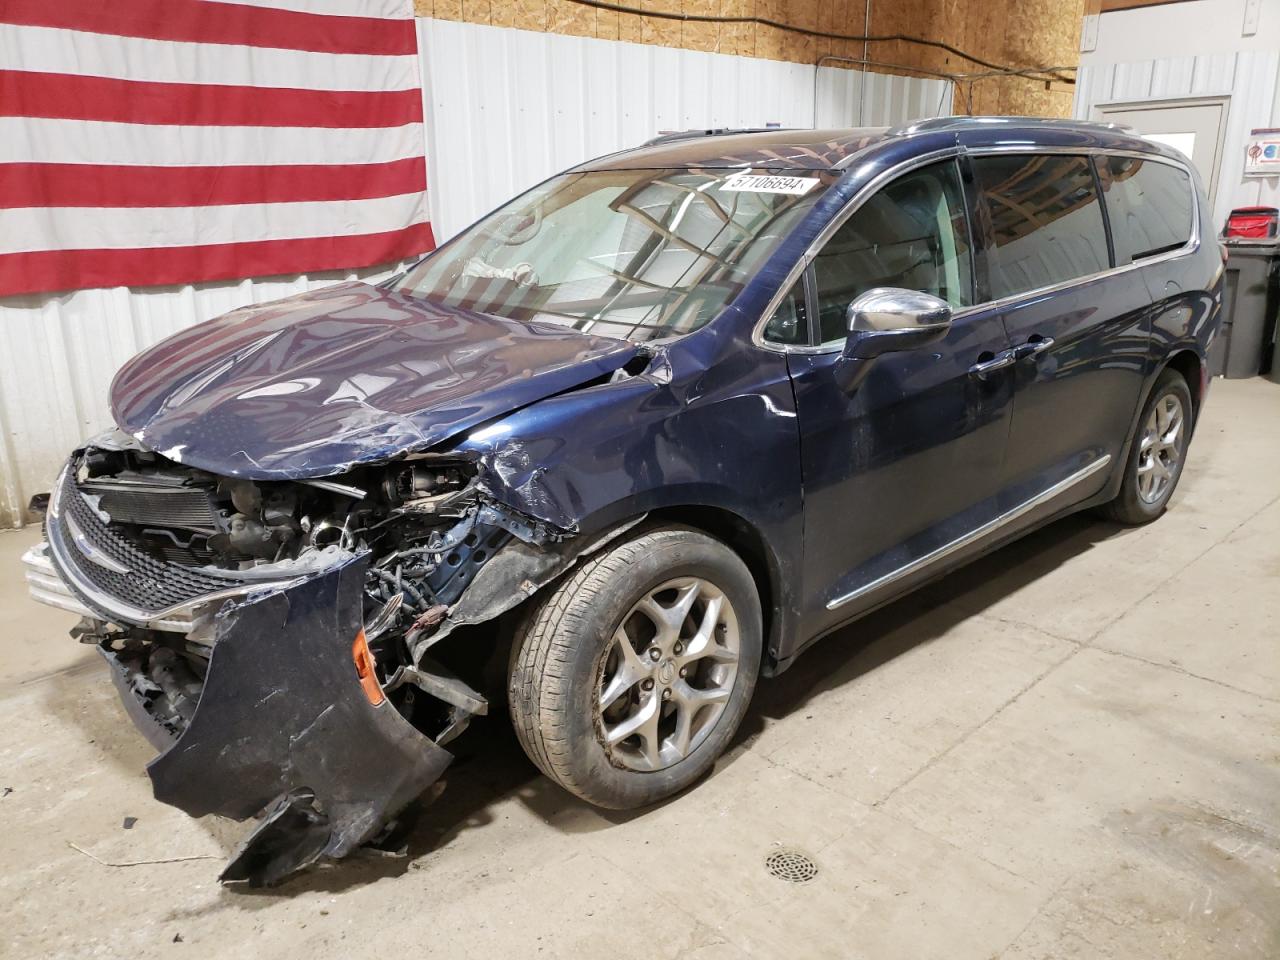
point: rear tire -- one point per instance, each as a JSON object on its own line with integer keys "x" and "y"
{"x": 687, "y": 610}
{"x": 1157, "y": 454}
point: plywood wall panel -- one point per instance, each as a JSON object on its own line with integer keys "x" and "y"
{"x": 570, "y": 19}
{"x": 736, "y": 38}
{"x": 629, "y": 28}
{"x": 447, "y": 9}
{"x": 701, "y": 36}
{"x": 477, "y": 11}
{"x": 608, "y": 24}
{"x": 528, "y": 14}
{"x": 1015, "y": 32}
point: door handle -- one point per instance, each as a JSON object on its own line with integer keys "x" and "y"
{"x": 1001, "y": 360}
{"x": 1033, "y": 348}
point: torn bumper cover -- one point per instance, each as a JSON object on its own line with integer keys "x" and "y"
{"x": 283, "y": 725}
{"x": 241, "y": 623}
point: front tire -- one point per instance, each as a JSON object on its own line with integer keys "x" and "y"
{"x": 630, "y": 677}
{"x": 1157, "y": 454}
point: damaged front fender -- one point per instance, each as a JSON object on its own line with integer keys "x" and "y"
{"x": 284, "y": 725}
{"x": 515, "y": 573}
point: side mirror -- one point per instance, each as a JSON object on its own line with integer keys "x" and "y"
{"x": 890, "y": 319}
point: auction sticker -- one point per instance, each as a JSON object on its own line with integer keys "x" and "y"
{"x": 751, "y": 183}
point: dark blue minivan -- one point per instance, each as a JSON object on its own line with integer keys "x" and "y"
{"x": 642, "y": 434}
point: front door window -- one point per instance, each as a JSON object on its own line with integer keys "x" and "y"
{"x": 912, "y": 234}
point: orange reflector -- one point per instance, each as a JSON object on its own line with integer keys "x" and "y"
{"x": 363, "y": 657}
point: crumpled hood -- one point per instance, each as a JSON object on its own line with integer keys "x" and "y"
{"x": 314, "y": 384}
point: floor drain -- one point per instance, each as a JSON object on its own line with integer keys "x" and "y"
{"x": 791, "y": 866}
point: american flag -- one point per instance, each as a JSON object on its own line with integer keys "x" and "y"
{"x": 149, "y": 142}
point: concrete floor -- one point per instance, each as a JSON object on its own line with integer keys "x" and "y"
{"x": 1069, "y": 749}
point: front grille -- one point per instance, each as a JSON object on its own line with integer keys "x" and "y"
{"x": 150, "y": 585}
{"x": 154, "y": 504}
{"x": 189, "y": 556}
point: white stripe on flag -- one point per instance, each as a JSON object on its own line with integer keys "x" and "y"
{"x": 93, "y": 228}
{"x": 384, "y": 9}
{"x": 52, "y": 50}
{"x": 26, "y": 140}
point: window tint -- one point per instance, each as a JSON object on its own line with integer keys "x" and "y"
{"x": 790, "y": 322}
{"x": 1046, "y": 220}
{"x": 911, "y": 234}
{"x": 1149, "y": 204}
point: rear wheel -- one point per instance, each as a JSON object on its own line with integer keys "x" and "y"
{"x": 1158, "y": 453}
{"x": 630, "y": 677}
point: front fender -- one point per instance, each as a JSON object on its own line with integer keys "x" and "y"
{"x": 719, "y": 434}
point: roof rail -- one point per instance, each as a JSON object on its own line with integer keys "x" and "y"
{"x": 716, "y": 132}
{"x": 960, "y": 123}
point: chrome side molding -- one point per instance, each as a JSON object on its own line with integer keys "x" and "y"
{"x": 978, "y": 533}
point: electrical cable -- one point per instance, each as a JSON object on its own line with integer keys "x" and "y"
{"x": 1051, "y": 72}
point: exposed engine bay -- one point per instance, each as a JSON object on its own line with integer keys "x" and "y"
{"x": 277, "y": 640}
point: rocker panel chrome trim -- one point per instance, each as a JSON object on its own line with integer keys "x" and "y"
{"x": 973, "y": 536}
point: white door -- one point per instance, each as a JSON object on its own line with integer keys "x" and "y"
{"x": 1196, "y": 127}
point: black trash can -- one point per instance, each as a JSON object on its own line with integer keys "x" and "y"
{"x": 1249, "y": 308}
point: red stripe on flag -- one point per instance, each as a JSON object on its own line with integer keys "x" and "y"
{"x": 68, "y": 97}
{"x": 106, "y": 185}
{"x": 208, "y": 21}
{"x": 51, "y": 270}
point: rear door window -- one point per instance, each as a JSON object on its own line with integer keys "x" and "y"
{"x": 1046, "y": 220}
{"x": 1150, "y": 206}
{"x": 914, "y": 233}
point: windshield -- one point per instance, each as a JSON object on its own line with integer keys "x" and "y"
{"x": 636, "y": 254}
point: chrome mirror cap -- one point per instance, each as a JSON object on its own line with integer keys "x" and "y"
{"x": 890, "y": 319}
{"x": 890, "y": 309}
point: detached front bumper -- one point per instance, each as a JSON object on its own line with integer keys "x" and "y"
{"x": 280, "y": 725}
{"x": 283, "y": 722}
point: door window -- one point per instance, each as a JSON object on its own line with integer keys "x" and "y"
{"x": 1149, "y": 204}
{"x": 790, "y": 322}
{"x": 913, "y": 233}
{"x": 1046, "y": 220}
{"x": 1197, "y": 127}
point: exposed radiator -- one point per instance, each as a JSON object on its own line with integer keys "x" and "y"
{"x": 154, "y": 504}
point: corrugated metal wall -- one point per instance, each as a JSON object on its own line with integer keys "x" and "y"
{"x": 1248, "y": 77}
{"x": 505, "y": 109}
{"x": 508, "y": 108}
{"x": 853, "y": 98}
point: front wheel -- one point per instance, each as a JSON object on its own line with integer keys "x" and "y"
{"x": 1158, "y": 453}
{"x": 630, "y": 677}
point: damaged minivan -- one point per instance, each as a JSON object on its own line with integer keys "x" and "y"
{"x": 640, "y": 436}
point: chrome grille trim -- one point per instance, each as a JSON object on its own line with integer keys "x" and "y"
{"x": 92, "y": 553}
{"x": 176, "y": 591}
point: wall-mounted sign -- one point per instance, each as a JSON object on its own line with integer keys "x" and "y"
{"x": 1262, "y": 154}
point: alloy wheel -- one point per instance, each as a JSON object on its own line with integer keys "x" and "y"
{"x": 667, "y": 675}
{"x": 1161, "y": 448}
